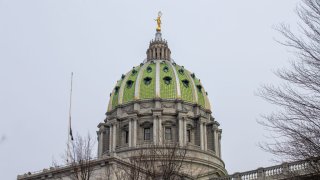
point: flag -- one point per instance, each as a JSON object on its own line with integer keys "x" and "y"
{"x": 71, "y": 136}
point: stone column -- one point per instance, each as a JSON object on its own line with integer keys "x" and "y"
{"x": 216, "y": 139}
{"x": 99, "y": 143}
{"x": 114, "y": 138}
{"x": 160, "y": 135}
{"x": 110, "y": 138}
{"x": 185, "y": 131}
{"x": 134, "y": 140}
{"x": 205, "y": 143}
{"x": 130, "y": 131}
{"x": 219, "y": 141}
{"x": 155, "y": 137}
{"x": 181, "y": 132}
{"x": 201, "y": 136}
{"x": 162, "y": 53}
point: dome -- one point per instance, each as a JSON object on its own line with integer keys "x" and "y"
{"x": 160, "y": 104}
{"x": 158, "y": 78}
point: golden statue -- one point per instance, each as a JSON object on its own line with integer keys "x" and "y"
{"x": 159, "y": 21}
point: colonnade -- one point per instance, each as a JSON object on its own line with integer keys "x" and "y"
{"x": 110, "y": 131}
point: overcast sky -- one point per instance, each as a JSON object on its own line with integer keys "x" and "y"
{"x": 228, "y": 44}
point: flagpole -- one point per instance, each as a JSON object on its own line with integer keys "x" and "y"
{"x": 70, "y": 137}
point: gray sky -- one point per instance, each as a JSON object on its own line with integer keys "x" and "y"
{"x": 228, "y": 44}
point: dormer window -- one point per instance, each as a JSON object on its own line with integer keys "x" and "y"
{"x": 134, "y": 72}
{"x": 147, "y": 80}
{"x": 199, "y": 87}
{"x": 165, "y": 69}
{"x": 193, "y": 75}
{"x": 129, "y": 83}
{"x": 185, "y": 82}
{"x": 116, "y": 89}
{"x": 167, "y": 80}
{"x": 149, "y": 69}
{"x": 123, "y": 76}
{"x": 181, "y": 71}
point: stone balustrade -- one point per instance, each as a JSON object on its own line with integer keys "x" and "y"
{"x": 283, "y": 171}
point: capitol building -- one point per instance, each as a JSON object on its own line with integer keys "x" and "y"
{"x": 159, "y": 121}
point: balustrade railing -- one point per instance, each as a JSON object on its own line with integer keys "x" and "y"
{"x": 274, "y": 172}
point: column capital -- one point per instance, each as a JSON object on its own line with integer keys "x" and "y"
{"x": 100, "y": 125}
{"x": 132, "y": 115}
{"x": 133, "y": 118}
{"x": 182, "y": 115}
{"x": 215, "y": 125}
{"x": 157, "y": 112}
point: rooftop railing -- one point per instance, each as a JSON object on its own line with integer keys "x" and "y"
{"x": 283, "y": 171}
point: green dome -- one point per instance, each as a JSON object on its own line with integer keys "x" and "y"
{"x": 158, "y": 79}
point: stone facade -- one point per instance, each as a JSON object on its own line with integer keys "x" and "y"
{"x": 160, "y": 122}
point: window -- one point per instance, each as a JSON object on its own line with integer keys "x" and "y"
{"x": 189, "y": 135}
{"x": 168, "y": 134}
{"x": 127, "y": 136}
{"x": 165, "y": 69}
{"x": 167, "y": 80}
{"x": 185, "y": 83}
{"x": 116, "y": 89}
{"x": 134, "y": 72}
{"x": 129, "y": 83}
{"x": 149, "y": 69}
{"x": 199, "y": 87}
{"x": 147, "y": 134}
{"x": 147, "y": 80}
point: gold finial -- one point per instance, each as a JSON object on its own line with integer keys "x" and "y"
{"x": 159, "y": 21}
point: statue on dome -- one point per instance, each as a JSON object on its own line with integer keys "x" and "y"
{"x": 159, "y": 21}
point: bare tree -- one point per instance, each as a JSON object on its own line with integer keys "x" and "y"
{"x": 155, "y": 162}
{"x": 295, "y": 126}
{"x": 79, "y": 157}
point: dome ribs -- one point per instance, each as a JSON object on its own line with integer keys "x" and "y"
{"x": 168, "y": 86}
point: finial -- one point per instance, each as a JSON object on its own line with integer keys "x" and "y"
{"x": 159, "y": 21}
